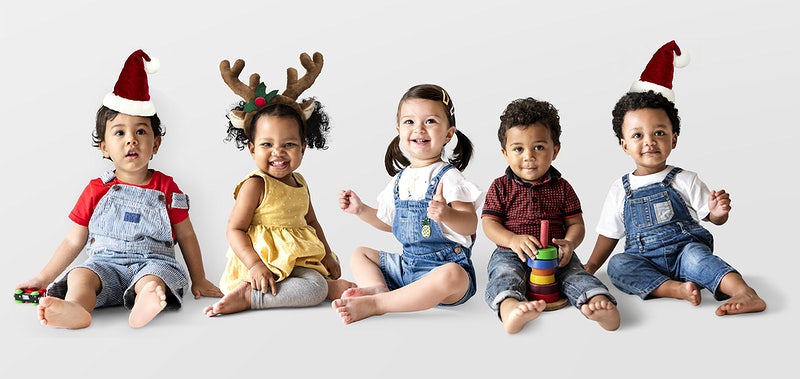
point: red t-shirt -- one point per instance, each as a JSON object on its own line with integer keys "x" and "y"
{"x": 96, "y": 189}
{"x": 520, "y": 206}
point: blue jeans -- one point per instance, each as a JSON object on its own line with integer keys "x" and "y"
{"x": 694, "y": 262}
{"x": 508, "y": 277}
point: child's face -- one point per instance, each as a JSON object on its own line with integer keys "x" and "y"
{"x": 648, "y": 138}
{"x": 277, "y": 147}
{"x": 424, "y": 129}
{"x": 130, "y": 143}
{"x": 529, "y": 151}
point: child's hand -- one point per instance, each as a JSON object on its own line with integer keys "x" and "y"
{"x": 437, "y": 207}
{"x": 524, "y": 245}
{"x": 350, "y": 202}
{"x": 719, "y": 204}
{"x": 332, "y": 265}
{"x": 32, "y": 283}
{"x": 565, "y": 250}
{"x": 262, "y": 279}
{"x": 205, "y": 288}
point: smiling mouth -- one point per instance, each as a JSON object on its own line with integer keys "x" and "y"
{"x": 420, "y": 140}
{"x": 279, "y": 164}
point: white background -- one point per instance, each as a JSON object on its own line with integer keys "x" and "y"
{"x": 737, "y": 100}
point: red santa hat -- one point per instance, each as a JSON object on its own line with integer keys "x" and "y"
{"x": 657, "y": 76}
{"x": 131, "y": 93}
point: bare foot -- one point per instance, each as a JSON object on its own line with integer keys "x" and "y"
{"x": 745, "y": 302}
{"x": 59, "y": 313}
{"x": 352, "y": 309}
{"x": 236, "y": 301}
{"x": 603, "y": 311}
{"x": 679, "y": 290}
{"x": 337, "y": 287}
{"x": 523, "y": 312}
{"x": 149, "y": 302}
{"x": 363, "y": 291}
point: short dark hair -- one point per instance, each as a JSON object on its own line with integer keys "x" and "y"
{"x": 528, "y": 111}
{"x": 105, "y": 114}
{"x": 632, "y": 101}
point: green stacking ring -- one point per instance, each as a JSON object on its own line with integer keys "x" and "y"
{"x": 549, "y": 252}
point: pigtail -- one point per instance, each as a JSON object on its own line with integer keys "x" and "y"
{"x": 234, "y": 133}
{"x": 462, "y": 153}
{"x": 317, "y": 127}
{"x": 394, "y": 161}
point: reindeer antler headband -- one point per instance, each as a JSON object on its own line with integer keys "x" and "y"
{"x": 256, "y": 95}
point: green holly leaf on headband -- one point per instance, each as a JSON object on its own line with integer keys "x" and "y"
{"x": 261, "y": 99}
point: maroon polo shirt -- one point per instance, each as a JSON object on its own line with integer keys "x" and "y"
{"x": 520, "y": 206}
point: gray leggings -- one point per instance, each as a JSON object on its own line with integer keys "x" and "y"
{"x": 304, "y": 287}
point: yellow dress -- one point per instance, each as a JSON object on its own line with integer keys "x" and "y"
{"x": 279, "y": 233}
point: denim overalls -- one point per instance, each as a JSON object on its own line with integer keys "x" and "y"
{"x": 130, "y": 236}
{"x": 425, "y": 247}
{"x": 663, "y": 242}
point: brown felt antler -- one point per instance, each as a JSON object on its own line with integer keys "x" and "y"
{"x": 248, "y": 92}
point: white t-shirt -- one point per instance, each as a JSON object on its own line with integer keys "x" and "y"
{"x": 413, "y": 186}
{"x": 693, "y": 191}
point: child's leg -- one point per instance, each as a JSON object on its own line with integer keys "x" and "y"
{"x": 366, "y": 266}
{"x": 305, "y": 287}
{"x": 679, "y": 290}
{"x": 150, "y": 300}
{"x": 74, "y": 311}
{"x": 235, "y": 301}
{"x": 446, "y": 284}
{"x": 515, "y": 314}
{"x": 743, "y": 298}
{"x": 602, "y": 310}
{"x": 337, "y": 287}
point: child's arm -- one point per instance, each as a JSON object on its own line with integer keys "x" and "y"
{"x": 602, "y": 250}
{"x": 66, "y": 252}
{"x": 719, "y": 206}
{"x": 524, "y": 245}
{"x": 250, "y": 195}
{"x": 351, "y": 203}
{"x": 459, "y": 216}
{"x": 576, "y": 230}
{"x": 329, "y": 261}
{"x": 190, "y": 248}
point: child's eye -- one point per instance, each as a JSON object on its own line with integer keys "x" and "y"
{"x": 517, "y": 149}
{"x": 267, "y": 144}
{"x": 636, "y": 135}
{"x": 289, "y": 144}
{"x": 430, "y": 121}
{"x": 141, "y": 132}
{"x": 408, "y": 122}
{"x": 119, "y": 133}
{"x": 659, "y": 133}
{"x": 538, "y": 148}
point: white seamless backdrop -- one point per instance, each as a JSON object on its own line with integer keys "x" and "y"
{"x": 735, "y": 99}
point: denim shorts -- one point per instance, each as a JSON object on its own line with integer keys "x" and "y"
{"x": 402, "y": 269}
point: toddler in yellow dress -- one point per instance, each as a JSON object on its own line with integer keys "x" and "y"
{"x": 278, "y": 254}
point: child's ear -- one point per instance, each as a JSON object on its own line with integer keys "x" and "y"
{"x": 674, "y": 140}
{"x": 102, "y": 147}
{"x": 156, "y": 144}
{"x": 556, "y": 149}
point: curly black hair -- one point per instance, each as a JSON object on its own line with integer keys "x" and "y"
{"x": 528, "y": 111}
{"x": 632, "y": 101}
{"x": 313, "y": 131}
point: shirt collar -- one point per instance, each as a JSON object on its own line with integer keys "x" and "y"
{"x": 552, "y": 173}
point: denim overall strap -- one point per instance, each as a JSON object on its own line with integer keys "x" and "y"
{"x": 411, "y": 226}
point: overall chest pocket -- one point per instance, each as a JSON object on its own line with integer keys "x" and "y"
{"x": 651, "y": 210}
